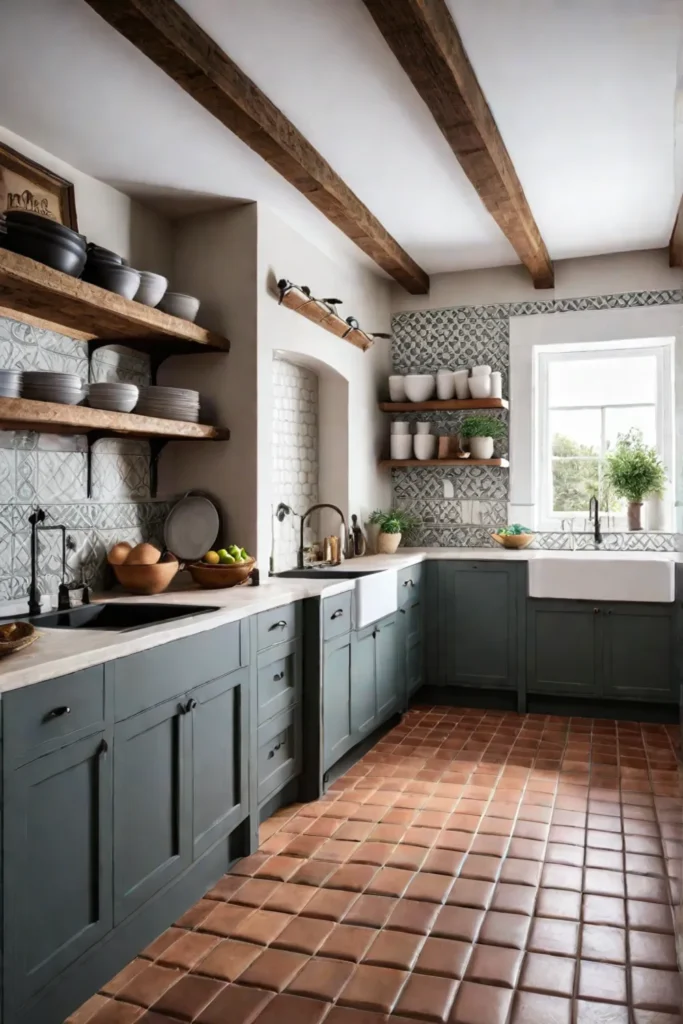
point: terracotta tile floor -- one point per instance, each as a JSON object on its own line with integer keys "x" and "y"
{"x": 474, "y": 867}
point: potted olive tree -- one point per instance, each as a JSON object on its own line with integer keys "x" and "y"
{"x": 482, "y": 431}
{"x": 635, "y": 472}
{"x": 392, "y": 525}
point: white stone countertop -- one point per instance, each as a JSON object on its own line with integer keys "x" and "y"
{"x": 61, "y": 651}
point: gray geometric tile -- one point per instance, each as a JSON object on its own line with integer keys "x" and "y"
{"x": 120, "y": 470}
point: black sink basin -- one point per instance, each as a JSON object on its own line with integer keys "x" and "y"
{"x": 325, "y": 574}
{"x": 120, "y": 617}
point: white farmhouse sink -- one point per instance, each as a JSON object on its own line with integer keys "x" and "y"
{"x": 602, "y": 576}
{"x": 376, "y": 596}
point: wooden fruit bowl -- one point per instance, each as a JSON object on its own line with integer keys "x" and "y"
{"x": 517, "y": 541}
{"x": 146, "y": 579}
{"x": 217, "y": 577}
{"x": 14, "y": 636}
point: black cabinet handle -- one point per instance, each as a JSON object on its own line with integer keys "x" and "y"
{"x": 335, "y": 615}
{"x": 277, "y": 625}
{"x": 278, "y": 676}
{"x": 191, "y": 704}
{"x": 402, "y": 611}
{"x": 271, "y": 753}
{"x": 408, "y": 583}
{"x": 103, "y": 749}
{"x": 596, "y": 611}
{"x": 57, "y": 712}
{"x": 609, "y": 611}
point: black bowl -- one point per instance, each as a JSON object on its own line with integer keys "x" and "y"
{"x": 97, "y": 252}
{"x": 34, "y": 220}
{"x": 45, "y": 247}
{"x": 114, "y": 277}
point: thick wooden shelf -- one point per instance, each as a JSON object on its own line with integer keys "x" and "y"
{"x": 52, "y": 418}
{"x": 320, "y": 313}
{"x": 407, "y": 463}
{"x": 454, "y": 405}
{"x": 39, "y": 295}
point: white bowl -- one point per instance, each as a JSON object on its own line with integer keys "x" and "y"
{"x": 152, "y": 288}
{"x": 397, "y": 388}
{"x": 401, "y": 446}
{"x": 480, "y": 387}
{"x": 445, "y": 385}
{"x": 462, "y": 386}
{"x": 423, "y": 428}
{"x": 425, "y": 446}
{"x": 419, "y": 387}
{"x": 176, "y": 304}
{"x": 400, "y": 427}
{"x": 481, "y": 371}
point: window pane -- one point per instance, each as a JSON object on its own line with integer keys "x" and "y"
{"x": 605, "y": 381}
{"x": 575, "y": 481}
{"x": 575, "y": 432}
{"x": 620, "y": 421}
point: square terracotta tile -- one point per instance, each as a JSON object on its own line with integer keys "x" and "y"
{"x": 322, "y": 979}
{"x": 287, "y": 1007}
{"x": 443, "y": 957}
{"x": 412, "y": 916}
{"x": 514, "y": 899}
{"x": 427, "y": 998}
{"x": 600, "y": 942}
{"x": 410, "y": 858}
{"x": 603, "y": 1013}
{"x": 125, "y": 976}
{"x": 228, "y": 960}
{"x": 373, "y": 988}
{"x": 225, "y": 918}
{"x": 520, "y": 872}
{"x": 644, "y": 887}
{"x": 115, "y": 1012}
{"x": 652, "y": 917}
{"x": 604, "y": 883}
{"x": 561, "y": 903}
{"x": 428, "y": 887}
{"x": 458, "y": 923}
{"x": 604, "y": 910}
{"x": 602, "y": 982}
{"x": 347, "y": 942}
{"x": 188, "y": 950}
{"x": 551, "y": 936}
{"x": 534, "y": 1008}
{"x": 304, "y": 935}
{"x": 563, "y": 853}
{"x": 652, "y": 949}
{"x": 332, "y": 904}
{"x": 656, "y": 989}
{"x": 444, "y": 862}
{"x": 261, "y": 927}
{"x": 188, "y": 997}
{"x": 549, "y": 975}
{"x": 481, "y": 1004}
{"x": 390, "y": 882}
{"x": 273, "y": 969}
{"x": 149, "y": 985}
{"x": 469, "y": 892}
{"x": 501, "y": 929}
{"x": 491, "y": 965}
{"x": 237, "y": 1004}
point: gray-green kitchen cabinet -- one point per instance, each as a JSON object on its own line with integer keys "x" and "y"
{"x": 615, "y": 650}
{"x": 389, "y": 667}
{"x": 336, "y": 716}
{"x": 57, "y": 863}
{"x": 480, "y": 612}
{"x": 411, "y": 589}
{"x": 363, "y": 688}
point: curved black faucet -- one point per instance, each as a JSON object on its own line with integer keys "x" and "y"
{"x": 594, "y": 517}
{"x": 314, "y": 508}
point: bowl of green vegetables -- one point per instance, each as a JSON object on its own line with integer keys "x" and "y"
{"x": 514, "y": 536}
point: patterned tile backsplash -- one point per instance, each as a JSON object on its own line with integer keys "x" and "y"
{"x": 459, "y": 507}
{"x": 295, "y": 454}
{"x": 50, "y": 470}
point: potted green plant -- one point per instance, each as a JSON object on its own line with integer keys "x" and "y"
{"x": 634, "y": 472}
{"x": 481, "y": 432}
{"x": 392, "y": 525}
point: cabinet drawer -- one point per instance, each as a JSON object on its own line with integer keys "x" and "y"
{"x": 44, "y": 717}
{"x": 279, "y": 679}
{"x": 409, "y": 584}
{"x": 337, "y": 615}
{"x": 279, "y": 752}
{"x": 277, "y": 625}
{"x": 151, "y": 677}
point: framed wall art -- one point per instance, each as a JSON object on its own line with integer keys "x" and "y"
{"x": 25, "y": 185}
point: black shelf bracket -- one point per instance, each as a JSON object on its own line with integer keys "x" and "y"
{"x": 156, "y": 446}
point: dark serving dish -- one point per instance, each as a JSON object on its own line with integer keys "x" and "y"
{"x": 48, "y": 247}
{"x": 114, "y": 277}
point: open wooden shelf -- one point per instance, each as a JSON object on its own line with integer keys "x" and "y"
{"x": 320, "y": 313}
{"x": 453, "y": 405}
{"x": 39, "y": 295}
{"x": 407, "y": 463}
{"x": 52, "y": 418}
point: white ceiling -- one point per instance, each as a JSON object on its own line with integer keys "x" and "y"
{"x": 582, "y": 90}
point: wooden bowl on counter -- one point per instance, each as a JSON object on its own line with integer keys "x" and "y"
{"x": 218, "y": 577}
{"x": 517, "y": 541}
{"x": 14, "y": 636}
{"x": 146, "y": 579}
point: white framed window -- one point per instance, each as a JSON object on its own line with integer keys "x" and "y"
{"x": 587, "y": 395}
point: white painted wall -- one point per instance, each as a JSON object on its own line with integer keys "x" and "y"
{"x": 105, "y": 215}
{"x": 596, "y": 275}
{"x": 351, "y": 428}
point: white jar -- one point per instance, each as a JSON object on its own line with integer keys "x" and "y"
{"x": 445, "y": 385}
{"x": 425, "y": 446}
{"x": 423, "y": 427}
{"x": 496, "y": 384}
{"x": 400, "y": 427}
{"x": 397, "y": 388}
{"x": 480, "y": 387}
{"x": 461, "y": 381}
{"x": 401, "y": 446}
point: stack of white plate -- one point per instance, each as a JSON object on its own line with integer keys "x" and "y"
{"x": 115, "y": 397}
{"x": 10, "y": 383}
{"x": 169, "y": 403}
{"x": 45, "y": 386}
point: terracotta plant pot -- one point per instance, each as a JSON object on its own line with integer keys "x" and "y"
{"x": 634, "y": 513}
{"x": 387, "y": 543}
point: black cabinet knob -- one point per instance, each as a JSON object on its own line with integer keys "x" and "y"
{"x": 596, "y": 611}
{"x": 278, "y": 676}
{"x": 335, "y": 615}
{"x": 277, "y": 625}
{"x": 58, "y": 712}
{"x": 103, "y": 749}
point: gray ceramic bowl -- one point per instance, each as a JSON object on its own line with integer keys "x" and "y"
{"x": 152, "y": 288}
{"x": 177, "y": 304}
{"x": 47, "y": 247}
{"x": 114, "y": 277}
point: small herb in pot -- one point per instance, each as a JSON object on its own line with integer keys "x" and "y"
{"x": 396, "y": 520}
{"x": 482, "y": 426}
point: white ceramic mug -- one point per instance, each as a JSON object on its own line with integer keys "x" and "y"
{"x": 461, "y": 381}
{"x": 481, "y": 371}
{"x": 400, "y": 427}
{"x": 401, "y": 446}
{"x": 397, "y": 388}
{"x": 423, "y": 427}
{"x": 480, "y": 387}
{"x": 496, "y": 384}
{"x": 445, "y": 385}
{"x": 425, "y": 446}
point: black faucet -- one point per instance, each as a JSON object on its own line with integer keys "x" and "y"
{"x": 594, "y": 517}
{"x": 35, "y": 519}
{"x": 314, "y": 508}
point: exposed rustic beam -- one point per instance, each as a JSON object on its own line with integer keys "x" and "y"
{"x": 676, "y": 243}
{"x": 163, "y": 31}
{"x": 424, "y": 39}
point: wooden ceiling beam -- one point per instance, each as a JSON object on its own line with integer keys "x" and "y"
{"x": 676, "y": 242}
{"x": 166, "y": 34}
{"x": 423, "y": 37}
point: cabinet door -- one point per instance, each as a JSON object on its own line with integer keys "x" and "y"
{"x": 414, "y": 650}
{"x": 337, "y": 729}
{"x": 563, "y": 647}
{"x": 638, "y": 651}
{"x": 219, "y": 758}
{"x": 58, "y": 862}
{"x": 389, "y": 666}
{"x": 478, "y": 624}
{"x": 363, "y": 692}
{"x": 152, "y": 814}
